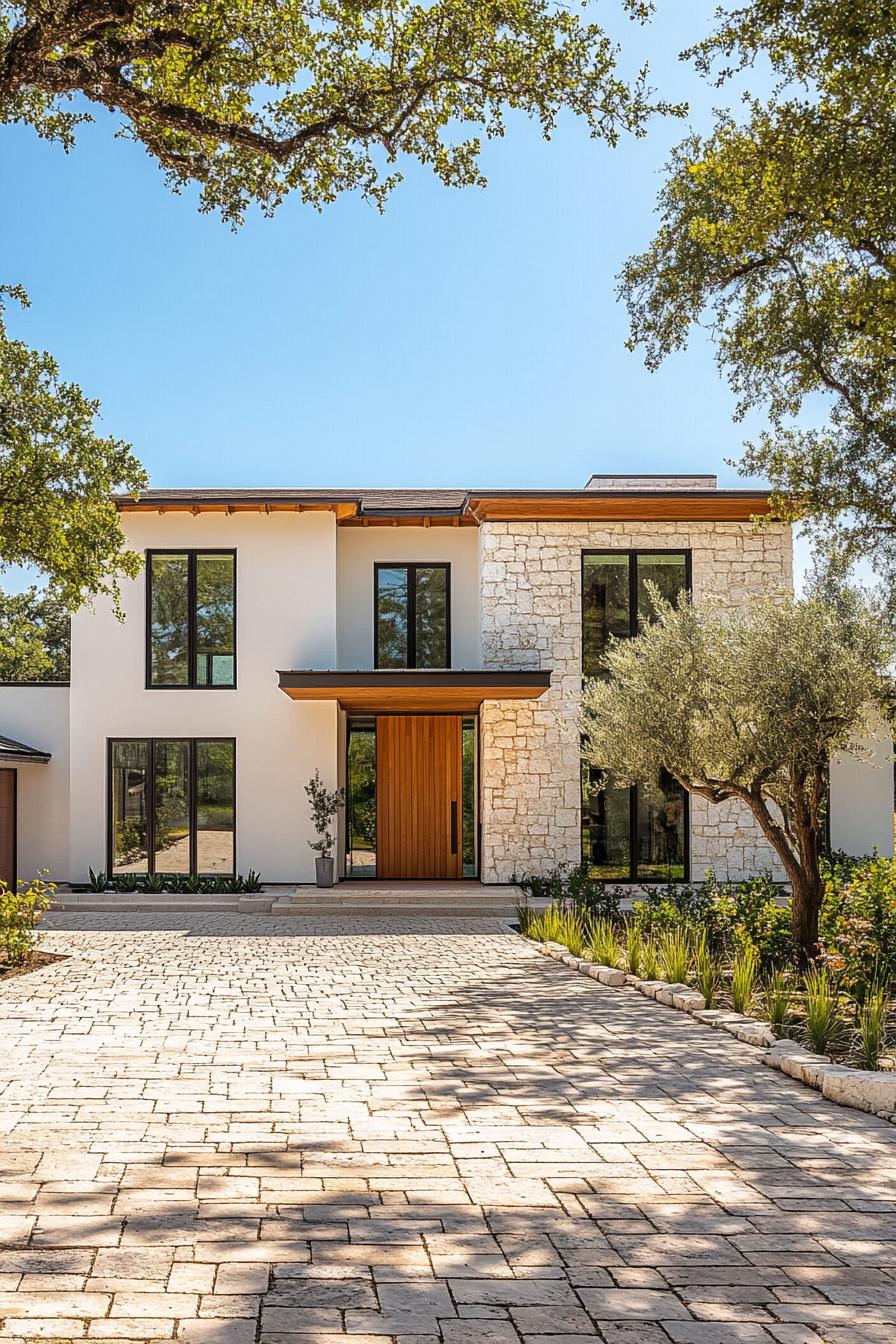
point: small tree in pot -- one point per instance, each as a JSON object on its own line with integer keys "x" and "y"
{"x": 326, "y": 804}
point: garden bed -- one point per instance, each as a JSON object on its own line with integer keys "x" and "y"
{"x": 724, "y": 952}
{"x": 865, "y": 1090}
{"x": 35, "y": 961}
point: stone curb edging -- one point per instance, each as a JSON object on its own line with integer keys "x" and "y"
{"x": 874, "y": 1092}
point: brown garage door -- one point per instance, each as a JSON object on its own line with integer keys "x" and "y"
{"x": 8, "y": 826}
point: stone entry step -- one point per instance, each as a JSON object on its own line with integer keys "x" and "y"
{"x": 431, "y": 899}
{"x": 397, "y": 911}
{"x": 137, "y": 902}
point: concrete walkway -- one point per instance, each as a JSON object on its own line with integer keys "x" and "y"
{"x": 231, "y": 1129}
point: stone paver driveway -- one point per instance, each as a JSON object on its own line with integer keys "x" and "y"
{"x": 229, "y": 1130}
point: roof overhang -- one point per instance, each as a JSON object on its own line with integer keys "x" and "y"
{"x": 454, "y": 508}
{"x": 679, "y": 506}
{"x": 396, "y": 692}
{"x": 17, "y": 753}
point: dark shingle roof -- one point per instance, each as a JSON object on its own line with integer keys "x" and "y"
{"x": 10, "y": 750}
{"x": 411, "y": 501}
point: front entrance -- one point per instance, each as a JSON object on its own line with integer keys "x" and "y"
{"x": 418, "y": 795}
{"x": 411, "y": 785}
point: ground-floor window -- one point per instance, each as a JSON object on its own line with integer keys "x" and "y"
{"x": 635, "y": 833}
{"x": 172, "y": 805}
{"x": 360, "y": 798}
{"x": 470, "y": 798}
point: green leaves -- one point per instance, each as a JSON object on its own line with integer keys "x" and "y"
{"x": 778, "y": 232}
{"x": 56, "y": 479}
{"x": 260, "y": 98}
{"x": 34, "y": 637}
{"x": 746, "y": 705}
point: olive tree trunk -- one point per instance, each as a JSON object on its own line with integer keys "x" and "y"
{"x": 799, "y": 849}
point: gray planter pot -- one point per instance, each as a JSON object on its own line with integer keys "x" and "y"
{"x": 323, "y": 866}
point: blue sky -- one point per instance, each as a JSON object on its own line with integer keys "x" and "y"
{"x": 458, "y": 339}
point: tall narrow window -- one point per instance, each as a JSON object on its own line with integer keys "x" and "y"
{"x": 191, "y": 611}
{"x": 128, "y": 794}
{"x": 171, "y": 800}
{"x": 469, "y": 795}
{"x": 360, "y": 820}
{"x": 172, "y": 805}
{"x": 412, "y": 616}
{"x": 169, "y": 628}
{"x": 215, "y": 806}
{"x": 636, "y": 834}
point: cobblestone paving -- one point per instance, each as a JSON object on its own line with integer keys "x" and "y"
{"x": 231, "y": 1130}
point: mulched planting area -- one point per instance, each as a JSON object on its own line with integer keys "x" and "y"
{"x": 34, "y": 962}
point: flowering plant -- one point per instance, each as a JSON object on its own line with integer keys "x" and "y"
{"x": 858, "y": 925}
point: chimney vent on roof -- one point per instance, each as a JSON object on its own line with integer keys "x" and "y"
{"x": 672, "y": 483}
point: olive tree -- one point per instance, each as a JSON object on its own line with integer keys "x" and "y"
{"x": 746, "y": 704}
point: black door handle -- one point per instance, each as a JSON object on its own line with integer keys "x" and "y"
{"x": 454, "y": 826}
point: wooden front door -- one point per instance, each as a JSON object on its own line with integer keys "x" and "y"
{"x": 8, "y": 827}
{"x": 418, "y": 796}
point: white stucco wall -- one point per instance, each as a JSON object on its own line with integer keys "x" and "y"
{"x": 862, "y": 795}
{"x": 39, "y": 717}
{"x": 286, "y": 618}
{"x": 359, "y": 548}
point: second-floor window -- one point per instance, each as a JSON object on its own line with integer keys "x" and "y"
{"x": 411, "y": 616}
{"x": 191, "y": 618}
{"x": 615, "y": 595}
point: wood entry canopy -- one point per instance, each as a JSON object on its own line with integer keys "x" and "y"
{"x": 395, "y": 692}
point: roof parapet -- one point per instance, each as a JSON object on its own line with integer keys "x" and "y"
{"x": 648, "y": 482}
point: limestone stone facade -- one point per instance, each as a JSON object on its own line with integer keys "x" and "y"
{"x": 531, "y": 617}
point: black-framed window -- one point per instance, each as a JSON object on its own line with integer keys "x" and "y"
{"x": 360, "y": 811}
{"x": 172, "y": 805}
{"x": 634, "y": 834}
{"x": 191, "y": 619}
{"x": 412, "y": 615}
{"x": 638, "y": 833}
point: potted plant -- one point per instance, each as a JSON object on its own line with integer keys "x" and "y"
{"x": 326, "y": 805}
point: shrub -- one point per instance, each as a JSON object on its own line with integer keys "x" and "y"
{"x": 21, "y": 910}
{"x": 634, "y": 948}
{"x": 591, "y": 898}
{"x": 650, "y": 962}
{"x": 873, "y": 1028}
{"x": 604, "y": 943}
{"x": 573, "y": 935}
{"x": 824, "y": 1026}
{"x": 706, "y": 969}
{"x": 858, "y": 923}
{"x": 548, "y": 926}
{"x": 573, "y": 885}
{"x": 670, "y": 907}
{"x": 777, "y": 996}
{"x": 748, "y": 912}
{"x": 743, "y": 978}
{"x": 730, "y": 913}
{"x": 675, "y": 955}
{"x": 543, "y": 886}
{"x": 525, "y": 918}
{"x": 176, "y": 883}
